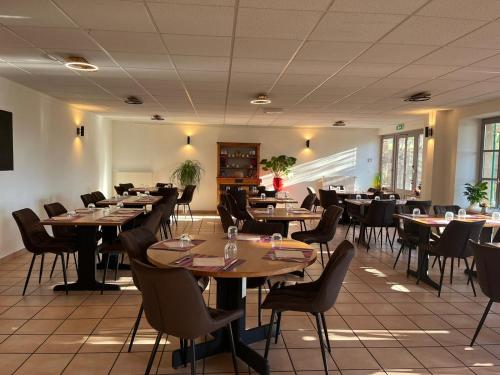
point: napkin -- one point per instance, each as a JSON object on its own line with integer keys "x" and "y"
{"x": 209, "y": 262}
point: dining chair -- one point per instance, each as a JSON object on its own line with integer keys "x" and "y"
{"x": 440, "y": 210}
{"x": 119, "y": 190}
{"x": 487, "y": 259}
{"x": 354, "y": 214}
{"x": 38, "y": 242}
{"x": 88, "y": 199}
{"x": 186, "y": 199}
{"x": 408, "y": 232}
{"x": 328, "y": 198}
{"x": 164, "y": 184}
{"x": 187, "y": 318}
{"x": 308, "y": 204}
{"x": 316, "y": 297}
{"x": 454, "y": 243}
{"x": 225, "y": 217}
{"x": 324, "y": 231}
{"x": 169, "y": 199}
{"x": 311, "y": 190}
{"x": 98, "y": 196}
{"x": 423, "y": 206}
{"x": 240, "y": 215}
{"x": 380, "y": 214}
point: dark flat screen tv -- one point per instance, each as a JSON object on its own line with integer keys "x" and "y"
{"x": 6, "y": 142}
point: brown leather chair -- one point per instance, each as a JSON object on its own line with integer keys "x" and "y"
{"x": 487, "y": 259}
{"x": 311, "y": 190}
{"x": 454, "y": 243}
{"x": 119, "y": 189}
{"x": 38, "y": 242}
{"x": 308, "y": 204}
{"x": 315, "y": 297}
{"x": 324, "y": 231}
{"x": 328, "y": 198}
{"x": 188, "y": 317}
{"x": 380, "y": 215}
{"x": 88, "y": 199}
{"x": 225, "y": 217}
{"x": 186, "y": 199}
{"x": 169, "y": 199}
{"x": 98, "y": 196}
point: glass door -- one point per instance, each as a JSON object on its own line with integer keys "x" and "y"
{"x": 408, "y": 163}
{"x": 489, "y": 161}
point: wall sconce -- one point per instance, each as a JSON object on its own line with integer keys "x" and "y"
{"x": 428, "y": 132}
{"x": 308, "y": 142}
{"x": 80, "y": 131}
{"x": 188, "y": 140}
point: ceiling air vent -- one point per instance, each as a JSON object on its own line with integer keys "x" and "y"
{"x": 419, "y": 97}
{"x": 157, "y": 117}
{"x": 339, "y": 123}
{"x": 133, "y": 100}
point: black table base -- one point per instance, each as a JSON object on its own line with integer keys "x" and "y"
{"x": 230, "y": 296}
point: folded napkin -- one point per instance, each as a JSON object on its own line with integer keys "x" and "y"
{"x": 175, "y": 245}
{"x": 209, "y": 262}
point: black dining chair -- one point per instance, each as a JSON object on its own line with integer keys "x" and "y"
{"x": 186, "y": 319}
{"x": 328, "y": 198}
{"x": 324, "y": 231}
{"x": 454, "y": 243}
{"x": 240, "y": 214}
{"x": 169, "y": 200}
{"x": 487, "y": 259}
{"x": 225, "y": 218}
{"x": 38, "y": 242}
{"x": 186, "y": 199}
{"x": 311, "y": 190}
{"x": 316, "y": 297}
{"x": 88, "y": 199}
{"x": 98, "y": 196}
{"x": 380, "y": 215}
{"x": 308, "y": 204}
{"x": 353, "y": 214}
{"x": 408, "y": 232}
{"x": 119, "y": 190}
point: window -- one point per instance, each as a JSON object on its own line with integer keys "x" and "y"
{"x": 489, "y": 161}
{"x": 387, "y": 160}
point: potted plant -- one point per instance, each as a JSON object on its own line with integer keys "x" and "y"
{"x": 280, "y": 166}
{"x": 377, "y": 181}
{"x": 187, "y": 173}
{"x": 476, "y": 194}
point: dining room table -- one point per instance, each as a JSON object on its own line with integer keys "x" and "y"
{"x": 86, "y": 222}
{"x": 425, "y": 224}
{"x": 283, "y": 215}
{"x": 256, "y": 256}
{"x": 143, "y": 189}
{"x": 130, "y": 200}
{"x": 271, "y": 200}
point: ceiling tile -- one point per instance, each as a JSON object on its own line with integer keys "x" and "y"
{"x": 139, "y": 60}
{"x": 99, "y": 58}
{"x": 377, "y": 6}
{"x": 201, "y": 63}
{"x": 330, "y": 51}
{"x": 32, "y": 13}
{"x": 258, "y": 65}
{"x": 159, "y": 74}
{"x": 431, "y": 30}
{"x": 313, "y": 67}
{"x": 198, "y": 45}
{"x": 472, "y": 74}
{"x": 54, "y": 37}
{"x": 394, "y": 53}
{"x": 457, "y": 56}
{"x": 369, "y": 70}
{"x": 265, "y": 48}
{"x": 492, "y": 63}
{"x": 99, "y": 14}
{"x": 277, "y": 24}
{"x": 193, "y": 19}
{"x": 436, "y": 86}
{"x": 10, "y": 40}
{"x": 486, "y": 37}
{"x": 122, "y": 41}
{"x": 464, "y": 9}
{"x": 354, "y": 27}
{"x": 317, "y": 5}
{"x": 424, "y": 71}
{"x": 24, "y": 55}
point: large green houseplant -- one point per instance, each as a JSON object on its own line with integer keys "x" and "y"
{"x": 476, "y": 194}
{"x": 281, "y": 166}
{"x": 187, "y": 173}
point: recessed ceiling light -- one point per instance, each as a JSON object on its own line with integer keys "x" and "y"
{"x": 419, "y": 97}
{"x": 261, "y": 99}
{"x": 272, "y": 111}
{"x": 339, "y": 123}
{"x": 80, "y": 63}
{"x": 133, "y": 100}
{"x": 157, "y": 117}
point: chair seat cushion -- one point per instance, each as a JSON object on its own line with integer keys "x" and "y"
{"x": 221, "y": 318}
{"x": 310, "y": 236}
{"x": 57, "y": 245}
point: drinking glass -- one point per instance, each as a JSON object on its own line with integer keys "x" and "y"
{"x": 392, "y": 197}
{"x": 449, "y": 216}
{"x": 462, "y": 213}
{"x": 71, "y": 213}
{"x": 232, "y": 232}
{"x": 91, "y": 206}
{"x": 230, "y": 250}
{"x": 286, "y": 194}
{"x": 270, "y": 209}
{"x": 288, "y": 207}
{"x": 495, "y": 215}
{"x": 146, "y": 192}
{"x": 276, "y": 240}
{"x": 377, "y": 198}
{"x": 263, "y": 196}
{"x": 125, "y": 193}
{"x": 358, "y": 196}
{"x": 185, "y": 240}
{"x": 119, "y": 205}
{"x": 416, "y": 211}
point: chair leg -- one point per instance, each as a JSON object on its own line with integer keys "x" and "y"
{"x": 441, "y": 277}
{"x": 136, "y": 327}
{"x": 64, "y": 274}
{"x": 233, "y": 350}
{"x": 321, "y": 252}
{"x": 67, "y": 260}
{"x": 104, "y": 273}
{"x": 189, "y": 208}
{"x": 471, "y": 269}
{"x": 259, "y": 302}
{"x": 397, "y": 256}
{"x": 193, "y": 357}
{"x": 369, "y": 239}
{"x": 117, "y": 266}
{"x": 434, "y": 263}
{"x": 53, "y": 266}
{"x": 409, "y": 258}
{"x": 76, "y": 262}
{"x": 170, "y": 230}
{"x": 321, "y": 342}
{"x": 153, "y": 354}
{"x": 269, "y": 333}
{"x": 470, "y": 276}
{"x": 481, "y": 322}
{"x": 387, "y": 237}
{"x": 29, "y": 273}
{"x": 41, "y": 269}
{"x": 451, "y": 270}
{"x": 278, "y": 327}
{"x": 325, "y": 329}
{"x": 347, "y": 232}
{"x": 327, "y": 250}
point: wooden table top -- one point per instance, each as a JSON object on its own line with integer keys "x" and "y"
{"x": 432, "y": 221}
{"x": 95, "y": 217}
{"x": 346, "y": 192}
{"x": 367, "y": 202}
{"x": 281, "y": 214}
{"x": 143, "y": 189}
{"x": 251, "y": 250}
{"x": 131, "y": 200}
{"x": 271, "y": 200}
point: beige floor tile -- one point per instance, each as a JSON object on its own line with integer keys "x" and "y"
{"x": 363, "y": 322}
{"x": 22, "y": 312}
{"x": 22, "y": 343}
{"x": 55, "y": 312}
{"x": 310, "y": 359}
{"x": 354, "y": 359}
{"x": 62, "y": 344}
{"x": 103, "y": 344}
{"x": 451, "y": 371}
{"x": 474, "y": 357}
{"x": 80, "y": 326}
{"x": 91, "y": 363}
{"x": 122, "y": 312}
{"x": 345, "y": 309}
{"x": 377, "y": 338}
{"x": 39, "y": 326}
{"x": 486, "y": 370}
{"x": 435, "y": 357}
{"x": 45, "y": 364}
{"x": 10, "y": 362}
{"x": 394, "y": 358}
{"x": 396, "y": 322}
{"x": 35, "y": 300}
{"x": 413, "y": 338}
{"x": 134, "y": 363}
{"x": 8, "y": 327}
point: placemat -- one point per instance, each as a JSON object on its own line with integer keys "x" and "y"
{"x": 174, "y": 245}
{"x": 307, "y": 256}
{"x": 187, "y": 262}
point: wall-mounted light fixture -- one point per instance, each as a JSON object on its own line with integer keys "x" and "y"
{"x": 308, "y": 142}
{"x": 80, "y": 131}
{"x": 188, "y": 140}
{"x": 428, "y": 132}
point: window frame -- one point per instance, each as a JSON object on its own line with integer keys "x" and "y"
{"x": 482, "y": 151}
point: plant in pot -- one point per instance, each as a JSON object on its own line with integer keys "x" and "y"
{"x": 280, "y": 166}
{"x": 187, "y": 173}
{"x": 476, "y": 194}
{"x": 377, "y": 181}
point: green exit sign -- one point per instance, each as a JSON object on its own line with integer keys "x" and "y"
{"x": 400, "y": 126}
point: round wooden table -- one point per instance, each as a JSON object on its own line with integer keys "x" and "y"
{"x": 231, "y": 290}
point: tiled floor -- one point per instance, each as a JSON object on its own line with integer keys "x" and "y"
{"x": 382, "y": 324}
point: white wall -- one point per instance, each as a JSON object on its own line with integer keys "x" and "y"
{"x": 50, "y": 162}
{"x": 159, "y": 148}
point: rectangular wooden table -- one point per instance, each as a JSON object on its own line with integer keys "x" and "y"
{"x": 87, "y": 222}
{"x": 271, "y": 200}
{"x": 130, "y": 201}
{"x": 143, "y": 189}
{"x": 283, "y": 216}
{"x": 426, "y": 223}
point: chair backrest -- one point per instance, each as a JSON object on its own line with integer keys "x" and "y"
{"x": 328, "y": 198}
{"x": 187, "y": 194}
{"x": 119, "y": 190}
{"x": 32, "y": 232}
{"x": 87, "y": 199}
{"x": 330, "y": 281}
{"x": 379, "y": 212}
{"x": 127, "y": 186}
{"x": 98, "y": 196}
{"x": 225, "y": 217}
{"x": 441, "y": 210}
{"x": 327, "y": 226}
{"x": 373, "y": 190}
{"x": 270, "y": 193}
{"x": 487, "y": 259}
{"x": 259, "y": 227}
{"x": 188, "y": 316}
{"x": 455, "y": 238}
{"x": 261, "y": 189}
{"x": 311, "y": 190}
{"x": 234, "y": 209}
{"x": 166, "y": 193}
{"x": 423, "y": 206}
{"x": 56, "y": 209}
{"x": 164, "y": 184}
{"x": 152, "y": 221}
{"x": 406, "y": 226}
{"x": 240, "y": 196}
{"x": 308, "y": 202}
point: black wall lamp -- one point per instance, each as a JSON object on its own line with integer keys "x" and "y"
{"x": 188, "y": 140}
{"x": 80, "y": 131}
{"x": 308, "y": 142}
{"x": 429, "y": 132}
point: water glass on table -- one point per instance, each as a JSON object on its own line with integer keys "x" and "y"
{"x": 276, "y": 240}
{"x": 232, "y": 233}
{"x": 448, "y": 216}
{"x": 185, "y": 240}
{"x": 462, "y": 213}
{"x": 416, "y": 211}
